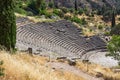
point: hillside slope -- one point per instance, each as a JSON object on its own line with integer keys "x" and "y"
{"x": 22, "y": 66}
{"x": 90, "y": 3}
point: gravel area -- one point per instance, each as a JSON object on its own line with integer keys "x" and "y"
{"x": 100, "y": 58}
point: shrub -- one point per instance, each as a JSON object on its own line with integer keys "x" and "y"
{"x": 67, "y": 17}
{"x": 51, "y": 4}
{"x": 43, "y": 6}
{"x": 100, "y": 27}
{"x": 76, "y": 12}
{"x": 114, "y": 47}
{"x": 83, "y": 21}
{"x": 58, "y": 12}
{"x": 29, "y": 13}
{"x": 19, "y": 7}
{"x": 42, "y": 12}
{"x": 107, "y": 33}
{"x": 76, "y": 19}
{"x": 65, "y": 10}
{"x": 85, "y": 10}
{"x": 72, "y": 10}
{"x": 119, "y": 18}
{"x": 48, "y": 15}
{"x": 20, "y": 10}
{"x": 91, "y": 15}
{"x": 116, "y": 30}
{"x": 19, "y": 3}
{"x": 91, "y": 30}
{"x": 81, "y": 11}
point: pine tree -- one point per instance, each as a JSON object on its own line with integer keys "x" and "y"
{"x": 76, "y": 5}
{"x": 7, "y": 24}
{"x": 113, "y": 19}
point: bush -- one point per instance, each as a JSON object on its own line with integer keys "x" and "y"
{"x": 43, "y": 6}
{"x": 65, "y": 10}
{"x": 100, "y": 27}
{"x": 76, "y": 19}
{"x": 19, "y": 7}
{"x": 42, "y": 12}
{"x": 48, "y": 15}
{"x": 83, "y": 21}
{"x": 67, "y": 17}
{"x": 29, "y": 13}
{"x": 58, "y": 12}
{"x": 19, "y": 3}
{"x": 80, "y": 11}
{"x": 20, "y": 10}
{"x": 116, "y": 30}
{"x": 114, "y": 47}
{"x": 51, "y": 4}
{"x": 107, "y": 33}
{"x": 72, "y": 10}
{"x": 76, "y": 12}
{"x": 90, "y": 30}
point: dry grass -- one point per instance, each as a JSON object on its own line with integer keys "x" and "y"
{"x": 94, "y": 69}
{"x": 87, "y": 32}
{"x": 22, "y": 66}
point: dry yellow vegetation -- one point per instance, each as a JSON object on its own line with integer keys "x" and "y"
{"x": 22, "y": 66}
{"x": 95, "y": 69}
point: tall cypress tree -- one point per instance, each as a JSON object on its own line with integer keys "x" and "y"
{"x": 7, "y": 24}
{"x": 76, "y": 5}
{"x": 113, "y": 19}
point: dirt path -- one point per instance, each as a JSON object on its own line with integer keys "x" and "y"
{"x": 66, "y": 67}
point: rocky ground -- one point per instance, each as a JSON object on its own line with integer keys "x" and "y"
{"x": 99, "y": 57}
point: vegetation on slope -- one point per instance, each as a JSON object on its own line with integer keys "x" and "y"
{"x": 22, "y": 66}
{"x": 100, "y": 19}
{"x": 99, "y": 71}
{"x": 114, "y": 47}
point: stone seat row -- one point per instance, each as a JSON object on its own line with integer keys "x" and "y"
{"x": 41, "y": 37}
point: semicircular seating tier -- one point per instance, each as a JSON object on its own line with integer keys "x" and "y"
{"x": 61, "y": 38}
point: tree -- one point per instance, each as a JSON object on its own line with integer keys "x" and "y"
{"x": 113, "y": 19}
{"x": 76, "y": 5}
{"x": 114, "y": 47}
{"x": 7, "y": 24}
